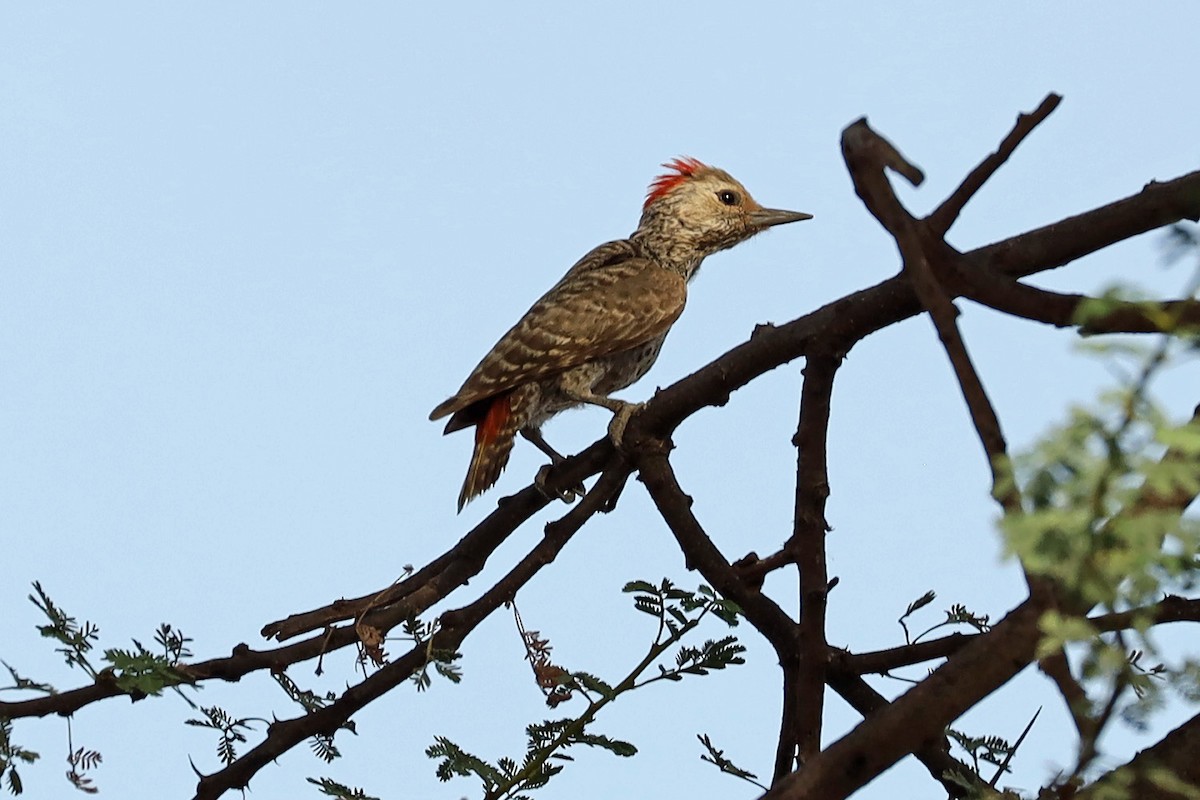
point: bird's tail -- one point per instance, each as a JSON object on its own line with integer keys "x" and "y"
{"x": 493, "y": 443}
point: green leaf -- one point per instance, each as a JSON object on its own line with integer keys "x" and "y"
{"x": 648, "y": 605}
{"x": 1058, "y": 631}
{"x": 920, "y": 602}
{"x": 615, "y": 746}
{"x": 1183, "y": 438}
{"x": 593, "y": 684}
{"x": 332, "y": 788}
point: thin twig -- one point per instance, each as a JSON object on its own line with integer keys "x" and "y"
{"x": 878, "y": 662}
{"x": 941, "y": 219}
{"x": 1174, "y": 754}
{"x": 1003, "y": 767}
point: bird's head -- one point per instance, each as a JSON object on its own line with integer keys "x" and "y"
{"x": 704, "y": 208}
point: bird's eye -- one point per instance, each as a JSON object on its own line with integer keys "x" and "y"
{"x": 728, "y": 198}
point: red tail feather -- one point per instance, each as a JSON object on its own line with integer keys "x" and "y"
{"x": 493, "y": 442}
{"x": 497, "y": 414}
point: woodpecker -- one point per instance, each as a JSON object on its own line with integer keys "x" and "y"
{"x": 600, "y": 328}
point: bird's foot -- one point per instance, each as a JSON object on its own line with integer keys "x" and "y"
{"x": 568, "y": 495}
{"x": 616, "y": 428}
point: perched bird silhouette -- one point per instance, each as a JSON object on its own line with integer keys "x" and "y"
{"x": 600, "y": 328}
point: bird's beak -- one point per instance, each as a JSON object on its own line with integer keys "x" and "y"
{"x": 767, "y": 217}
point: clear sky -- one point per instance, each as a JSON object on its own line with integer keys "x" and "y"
{"x": 245, "y": 248}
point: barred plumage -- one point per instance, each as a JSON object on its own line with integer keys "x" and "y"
{"x": 600, "y": 328}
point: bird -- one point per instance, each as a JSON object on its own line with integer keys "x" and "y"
{"x": 601, "y": 327}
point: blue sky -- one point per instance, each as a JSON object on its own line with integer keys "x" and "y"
{"x": 246, "y": 249}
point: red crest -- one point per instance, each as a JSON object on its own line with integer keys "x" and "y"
{"x": 681, "y": 168}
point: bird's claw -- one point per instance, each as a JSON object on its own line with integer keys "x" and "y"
{"x": 567, "y": 495}
{"x": 616, "y": 428}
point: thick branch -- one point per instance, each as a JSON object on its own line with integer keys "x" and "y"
{"x": 1156, "y": 205}
{"x": 917, "y": 719}
{"x": 1174, "y": 753}
{"x": 935, "y": 757}
{"x": 868, "y": 155}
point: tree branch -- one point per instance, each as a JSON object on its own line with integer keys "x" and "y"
{"x": 1175, "y": 753}
{"x": 848, "y": 319}
{"x": 1061, "y": 310}
{"x": 918, "y": 718}
{"x": 1171, "y": 608}
{"x": 858, "y": 315}
{"x": 879, "y": 662}
{"x": 1058, "y": 670}
{"x": 458, "y": 564}
{"x": 866, "y": 154}
{"x": 654, "y": 470}
{"x": 940, "y": 220}
{"x": 454, "y": 628}
{"x": 935, "y": 756}
{"x": 1156, "y": 205}
{"x": 804, "y": 690}
{"x": 759, "y": 610}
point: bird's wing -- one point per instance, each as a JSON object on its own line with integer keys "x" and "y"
{"x": 597, "y": 309}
